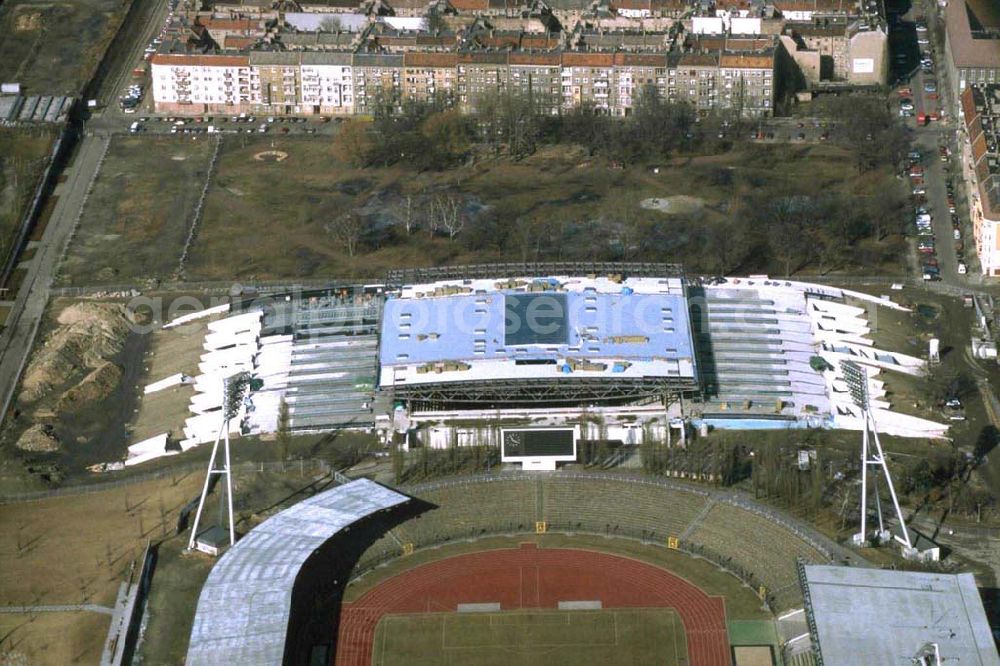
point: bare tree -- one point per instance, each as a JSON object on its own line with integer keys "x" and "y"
{"x": 331, "y": 24}
{"x": 346, "y": 229}
{"x": 284, "y": 428}
{"x": 446, "y": 211}
{"x": 408, "y": 221}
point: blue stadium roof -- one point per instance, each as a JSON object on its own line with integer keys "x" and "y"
{"x": 535, "y": 325}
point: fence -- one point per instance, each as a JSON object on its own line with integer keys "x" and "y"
{"x": 302, "y": 466}
{"x": 64, "y": 143}
{"x": 196, "y": 215}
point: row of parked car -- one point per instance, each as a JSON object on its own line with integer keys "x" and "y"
{"x": 926, "y": 242}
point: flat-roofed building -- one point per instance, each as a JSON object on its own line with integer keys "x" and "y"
{"x": 873, "y": 616}
{"x": 972, "y": 42}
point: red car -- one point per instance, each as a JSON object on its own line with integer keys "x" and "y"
{"x": 916, "y": 180}
{"x": 933, "y": 96}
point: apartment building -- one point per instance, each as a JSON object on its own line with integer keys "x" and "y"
{"x": 342, "y": 83}
{"x": 839, "y": 49}
{"x": 327, "y": 81}
{"x": 636, "y": 73}
{"x": 537, "y": 76}
{"x": 479, "y": 74}
{"x": 429, "y": 76}
{"x": 376, "y": 75}
{"x": 184, "y": 83}
{"x": 981, "y": 160}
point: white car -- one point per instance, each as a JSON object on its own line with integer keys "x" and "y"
{"x": 919, "y": 190}
{"x": 962, "y": 268}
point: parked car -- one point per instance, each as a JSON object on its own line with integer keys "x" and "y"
{"x": 962, "y": 268}
{"x": 930, "y": 87}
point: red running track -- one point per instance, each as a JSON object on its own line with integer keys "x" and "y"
{"x": 531, "y": 577}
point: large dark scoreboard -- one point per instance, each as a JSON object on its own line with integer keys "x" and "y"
{"x": 550, "y": 442}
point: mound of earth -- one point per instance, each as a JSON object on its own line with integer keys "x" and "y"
{"x": 97, "y": 385}
{"x": 38, "y": 438}
{"x": 86, "y": 336}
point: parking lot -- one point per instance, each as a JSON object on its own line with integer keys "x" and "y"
{"x": 241, "y": 124}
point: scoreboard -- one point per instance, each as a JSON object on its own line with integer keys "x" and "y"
{"x": 538, "y": 448}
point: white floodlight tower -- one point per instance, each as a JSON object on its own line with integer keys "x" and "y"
{"x": 857, "y": 385}
{"x": 234, "y": 390}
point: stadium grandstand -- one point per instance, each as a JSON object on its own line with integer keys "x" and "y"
{"x": 620, "y": 352}
{"x": 278, "y": 595}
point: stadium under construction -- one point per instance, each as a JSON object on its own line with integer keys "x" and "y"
{"x": 458, "y": 355}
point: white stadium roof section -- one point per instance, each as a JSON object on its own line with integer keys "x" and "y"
{"x": 888, "y": 617}
{"x": 245, "y": 605}
{"x": 461, "y": 331}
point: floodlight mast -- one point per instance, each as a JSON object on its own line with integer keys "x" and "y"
{"x": 856, "y": 378}
{"x": 234, "y": 389}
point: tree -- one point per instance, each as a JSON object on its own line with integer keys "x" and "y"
{"x": 447, "y": 214}
{"x": 436, "y": 22}
{"x": 353, "y": 143}
{"x": 347, "y": 229}
{"x": 331, "y": 24}
{"x": 284, "y": 428}
{"x": 447, "y": 137}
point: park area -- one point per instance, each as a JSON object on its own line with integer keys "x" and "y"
{"x": 310, "y": 215}
{"x": 534, "y": 638}
{"x": 136, "y": 221}
{"x": 52, "y": 48}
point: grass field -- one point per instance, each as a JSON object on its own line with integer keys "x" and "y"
{"x": 269, "y": 219}
{"x": 137, "y": 218}
{"x": 54, "y": 47}
{"x": 22, "y": 160}
{"x": 532, "y": 638}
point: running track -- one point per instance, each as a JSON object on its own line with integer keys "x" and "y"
{"x": 531, "y": 577}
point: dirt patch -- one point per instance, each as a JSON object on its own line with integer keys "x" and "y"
{"x": 86, "y": 335}
{"x": 676, "y": 205}
{"x": 28, "y": 22}
{"x": 38, "y": 438}
{"x": 98, "y": 385}
{"x": 271, "y": 156}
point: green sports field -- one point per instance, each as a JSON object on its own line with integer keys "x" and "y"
{"x": 532, "y": 638}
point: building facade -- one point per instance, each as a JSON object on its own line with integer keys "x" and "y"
{"x": 341, "y": 83}
{"x": 981, "y": 168}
